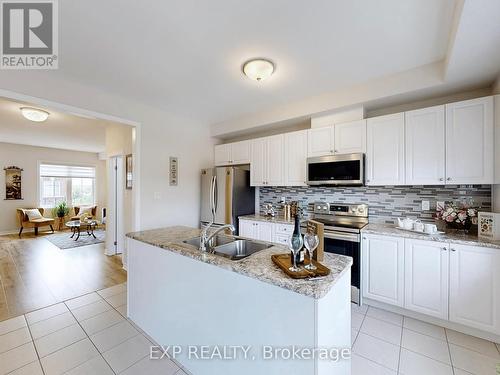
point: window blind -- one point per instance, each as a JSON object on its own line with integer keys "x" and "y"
{"x": 53, "y": 170}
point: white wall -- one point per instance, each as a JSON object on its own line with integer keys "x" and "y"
{"x": 496, "y": 188}
{"x": 27, "y": 158}
{"x": 162, "y": 135}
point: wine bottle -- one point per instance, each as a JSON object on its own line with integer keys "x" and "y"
{"x": 297, "y": 241}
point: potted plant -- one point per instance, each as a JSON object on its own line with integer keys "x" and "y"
{"x": 458, "y": 216}
{"x": 60, "y": 211}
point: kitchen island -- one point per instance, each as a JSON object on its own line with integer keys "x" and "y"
{"x": 191, "y": 300}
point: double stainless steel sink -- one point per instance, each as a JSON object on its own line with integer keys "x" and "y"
{"x": 233, "y": 248}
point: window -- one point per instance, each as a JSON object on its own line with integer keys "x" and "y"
{"x": 74, "y": 185}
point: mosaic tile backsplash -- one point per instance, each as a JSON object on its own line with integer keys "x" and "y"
{"x": 386, "y": 203}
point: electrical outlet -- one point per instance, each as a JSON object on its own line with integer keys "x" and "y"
{"x": 157, "y": 195}
{"x": 426, "y": 205}
{"x": 283, "y": 200}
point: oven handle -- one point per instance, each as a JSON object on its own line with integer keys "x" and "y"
{"x": 351, "y": 237}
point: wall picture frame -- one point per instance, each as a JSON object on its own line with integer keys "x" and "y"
{"x": 13, "y": 182}
{"x": 129, "y": 174}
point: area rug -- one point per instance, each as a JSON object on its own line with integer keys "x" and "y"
{"x": 64, "y": 240}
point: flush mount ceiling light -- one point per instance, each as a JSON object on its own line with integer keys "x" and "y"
{"x": 34, "y": 114}
{"x": 258, "y": 69}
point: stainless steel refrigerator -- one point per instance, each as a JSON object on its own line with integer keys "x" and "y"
{"x": 226, "y": 194}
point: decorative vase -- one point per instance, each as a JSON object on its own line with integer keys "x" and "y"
{"x": 466, "y": 226}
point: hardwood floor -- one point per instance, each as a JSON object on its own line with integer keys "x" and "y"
{"x": 34, "y": 273}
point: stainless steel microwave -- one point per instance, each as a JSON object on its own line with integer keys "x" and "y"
{"x": 338, "y": 170}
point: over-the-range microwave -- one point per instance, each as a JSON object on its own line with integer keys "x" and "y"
{"x": 338, "y": 170}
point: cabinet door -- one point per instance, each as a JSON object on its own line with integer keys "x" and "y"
{"x": 258, "y": 164}
{"x": 295, "y": 158}
{"x": 246, "y": 228}
{"x": 240, "y": 152}
{"x": 350, "y": 137}
{"x": 425, "y": 146}
{"x": 383, "y": 269}
{"x": 265, "y": 231}
{"x": 385, "y": 150}
{"x": 426, "y": 277}
{"x": 469, "y": 142}
{"x": 320, "y": 141}
{"x": 222, "y": 154}
{"x": 475, "y": 287}
{"x": 275, "y": 160}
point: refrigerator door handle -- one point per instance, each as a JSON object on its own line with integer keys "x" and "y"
{"x": 212, "y": 203}
{"x": 216, "y": 195}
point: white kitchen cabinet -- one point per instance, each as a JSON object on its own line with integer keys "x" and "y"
{"x": 382, "y": 262}
{"x": 385, "y": 150}
{"x": 475, "y": 287}
{"x": 267, "y": 161}
{"x": 425, "y": 146}
{"x": 469, "y": 142}
{"x": 350, "y": 137}
{"x": 265, "y": 231}
{"x": 320, "y": 141}
{"x": 295, "y": 158}
{"x": 222, "y": 154}
{"x": 246, "y": 228}
{"x": 426, "y": 277}
{"x": 232, "y": 153}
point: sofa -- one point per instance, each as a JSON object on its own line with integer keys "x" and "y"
{"x": 93, "y": 212}
{"x": 25, "y": 222}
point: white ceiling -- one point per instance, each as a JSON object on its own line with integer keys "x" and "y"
{"x": 186, "y": 55}
{"x": 61, "y": 130}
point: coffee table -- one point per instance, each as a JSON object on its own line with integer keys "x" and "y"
{"x": 77, "y": 225}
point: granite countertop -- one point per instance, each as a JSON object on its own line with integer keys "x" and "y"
{"x": 258, "y": 266}
{"x": 270, "y": 219}
{"x": 451, "y": 237}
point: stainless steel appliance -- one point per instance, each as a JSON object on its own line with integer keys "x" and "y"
{"x": 342, "y": 235}
{"x": 226, "y": 194}
{"x": 347, "y": 169}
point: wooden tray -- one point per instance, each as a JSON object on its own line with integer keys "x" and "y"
{"x": 284, "y": 262}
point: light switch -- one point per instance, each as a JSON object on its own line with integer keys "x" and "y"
{"x": 426, "y": 205}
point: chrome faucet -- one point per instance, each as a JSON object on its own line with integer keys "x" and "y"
{"x": 205, "y": 238}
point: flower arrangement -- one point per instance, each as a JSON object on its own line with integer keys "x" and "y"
{"x": 458, "y": 216}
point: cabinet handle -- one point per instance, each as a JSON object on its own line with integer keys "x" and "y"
{"x": 331, "y": 151}
{"x": 336, "y": 151}
{"x": 452, "y": 249}
{"x": 448, "y": 179}
{"x": 364, "y": 238}
{"x": 441, "y": 179}
{"x": 367, "y": 180}
{"x": 444, "y": 249}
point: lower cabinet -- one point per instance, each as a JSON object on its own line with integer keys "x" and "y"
{"x": 382, "y": 262}
{"x": 459, "y": 283}
{"x": 475, "y": 287}
{"x": 426, "y": 277}
{"x": 265, "y": 231}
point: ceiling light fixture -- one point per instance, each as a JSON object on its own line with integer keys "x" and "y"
{"x": 258, "y": 69}
{"x": 34, "y": 114}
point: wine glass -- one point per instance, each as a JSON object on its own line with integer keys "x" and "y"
{"x": 311, "y": 242}
{"x": 295, "y": 244}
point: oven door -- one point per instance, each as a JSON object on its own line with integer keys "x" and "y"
{"x": 345, "y": 169}
{"x": 347, "y": 244}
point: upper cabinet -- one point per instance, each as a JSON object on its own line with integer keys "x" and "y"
{"x": 267, "y": 161}
{"x": 320, "y": 141}
{"x": 345, "y": 138}
{"x": 425, "y": 152}
{"x": 469, "y": 142}
{"x": 232, "y": 153}
{"x": 385, "y": 150}
{"x": 350, "y": 137}
{"x": 295, "y": 158}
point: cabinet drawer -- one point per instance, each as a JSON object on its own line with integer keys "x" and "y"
{"x": 284, "y": 229}
{"x": 282, "y": 239}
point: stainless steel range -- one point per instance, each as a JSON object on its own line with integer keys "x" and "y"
{"x": 343, "y": 224}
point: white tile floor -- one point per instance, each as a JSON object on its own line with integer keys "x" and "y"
{"x": 388, "y": 343}
{"x": 90, "y": 335}
{"x": 83, "y": 336}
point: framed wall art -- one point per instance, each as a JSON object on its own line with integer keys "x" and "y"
{"x": 13, "y": 189}
{"x": 128, "y": 172}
